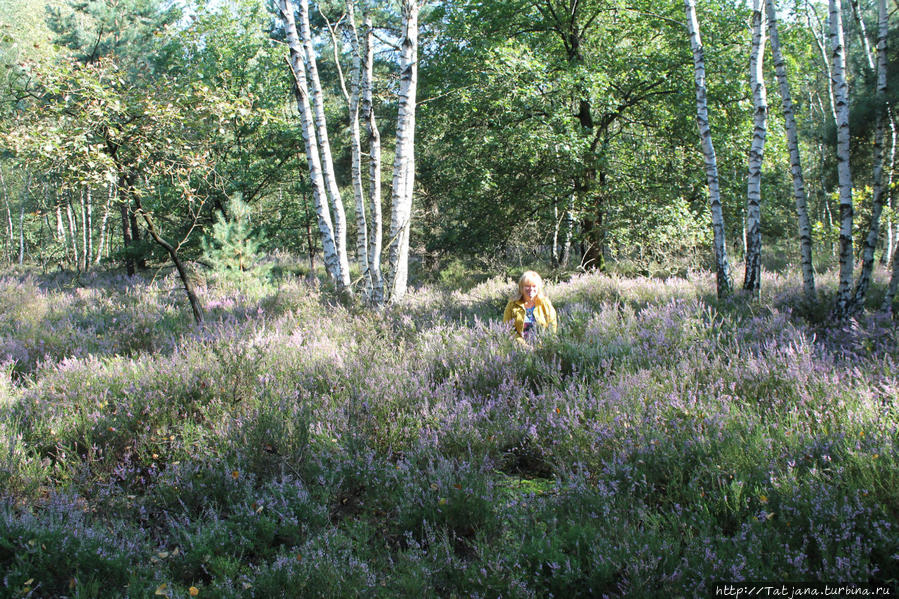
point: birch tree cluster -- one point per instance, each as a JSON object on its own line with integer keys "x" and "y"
{"x": 380, "y": 142}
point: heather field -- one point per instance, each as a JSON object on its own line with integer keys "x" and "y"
{"x": 294, "y": 447}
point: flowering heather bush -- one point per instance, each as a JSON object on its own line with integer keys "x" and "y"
{"x": 662, "y": 441}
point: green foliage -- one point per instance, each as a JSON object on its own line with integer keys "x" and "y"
{"x": 233, "y": 246}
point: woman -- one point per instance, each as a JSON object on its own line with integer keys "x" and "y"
{"x": 531, "y": 309}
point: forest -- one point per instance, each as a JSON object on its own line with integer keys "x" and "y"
{"x": 255, "y": 256}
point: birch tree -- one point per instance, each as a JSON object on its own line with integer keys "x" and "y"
{"x": 722, "y": 267}
{"x": 324, "y": 147}
{"x": 374, "y": 164}
{"x": 883, "y": 114}
{"x": 799, "y": 194}
{"x": 352, "y": 98}
{"x": 404, "y": 162}
{"x": 333, "y": 264}
{"x": 753, "y": 279}
{"x": 110, "y": 199}
{"x": 841, "y": 99}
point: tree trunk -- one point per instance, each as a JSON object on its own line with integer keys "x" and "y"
{"x": 555, "y": 250}
{"x": 753, "y": 280}
{"x": 799, "y": 194}
{"x": 319, "y": 194}
{"x": 863, "y": 34}
{"x": 126, "y": 237}
{"x": 110, "y": 195}
{"x": 73, "y": 232}
{"x": 842, "y": 306}
{"x": 89, "y": 229}
{"x": 404, "y": 163}
{"x": 7, "y": 249}
{"x": 864, "y": 277}
{"x": 569, "y": 231}
{"x": 179, "y": 266}
{"x": 353, "y": 99}
{"x": 140, "y": 262}
{"x": 310, "y": 243}
{"x": 324, "y": 147}
{"x": 891, "y": 231}
{"x": 10, "y": 240}
{"x": 22, "y": 234}
{"x": 374, "y": 166}
{"x": 824, "y": 59}
{"x": 722, "y": 267}
{"x": 83, "y": 257}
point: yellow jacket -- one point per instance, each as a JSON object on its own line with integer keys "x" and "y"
{"x": 544, "y": 314}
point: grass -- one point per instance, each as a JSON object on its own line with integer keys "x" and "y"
{"x": 294, "y": 447}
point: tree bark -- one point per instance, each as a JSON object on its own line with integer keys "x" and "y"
{"x": 126, "y": 237}
{"x": 83, "y": 257}
{"x": 89, "y": 230}
{"x": 753, "y": 279}
{"x": 404, "y": 162}
{"x": 555, "y": 250}
{"x": 722, "y": 267}
{"x": 10, "y": 237}
{"x": 324, "y": 147}
{"x": 73, "y": 232}
{"x": 179, "y": 266}
{"x": 110, "y": 196}
{"x": 22, "y": 234}
{"x": 891, "y": 230}
{"x": 799, "y": 194}
{"x": 863, "y": 34}
{"x": 375, "y": 239}
{"x": 7, "y": 250}
{"x": 569, "y": 232}
{"x": 824, "y": 59}
{"x": 842, "y": 306}
{"x": 883, "y": 113}
{"x": 319, "y": 194}
{"x": 353, "y": 100}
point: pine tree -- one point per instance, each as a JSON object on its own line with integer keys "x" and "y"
{"x": 233, "y": 249}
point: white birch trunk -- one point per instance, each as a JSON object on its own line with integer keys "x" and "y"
{"x": 404, "y": 162}
{"x": 863, "y": 34}
{"x": 22, "y": 234}
{"x": 864, "y": 277}
{"x": 60, "y": 228}
{"x": 844, "y": 172}
{"x": 722, "y": 266}
{"x": 89, "y": 227}
{"x": 73, "y": 232}
{"x": 319, "y": 195}
{"x": 83, "y": 257}
{"x": 374, "y": 166}
{"x": 753, "y": 280}
{"x": 824, "y": 59}
{"x": 356, "y": 141}
{"x": 110, "y": 195}
{"x": 7, "y": 250}
{"x": 891, "y": 231}
{"x": 556, "y": 251}
{"x": 569, "y": 232}
{"x": 887, "y": 304}
{"x": 799, "y": 194}
{"x": 9, "y": 229}
{"x": 324, "y": 146}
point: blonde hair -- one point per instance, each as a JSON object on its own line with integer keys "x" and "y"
{"x": 533, "y": 277}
